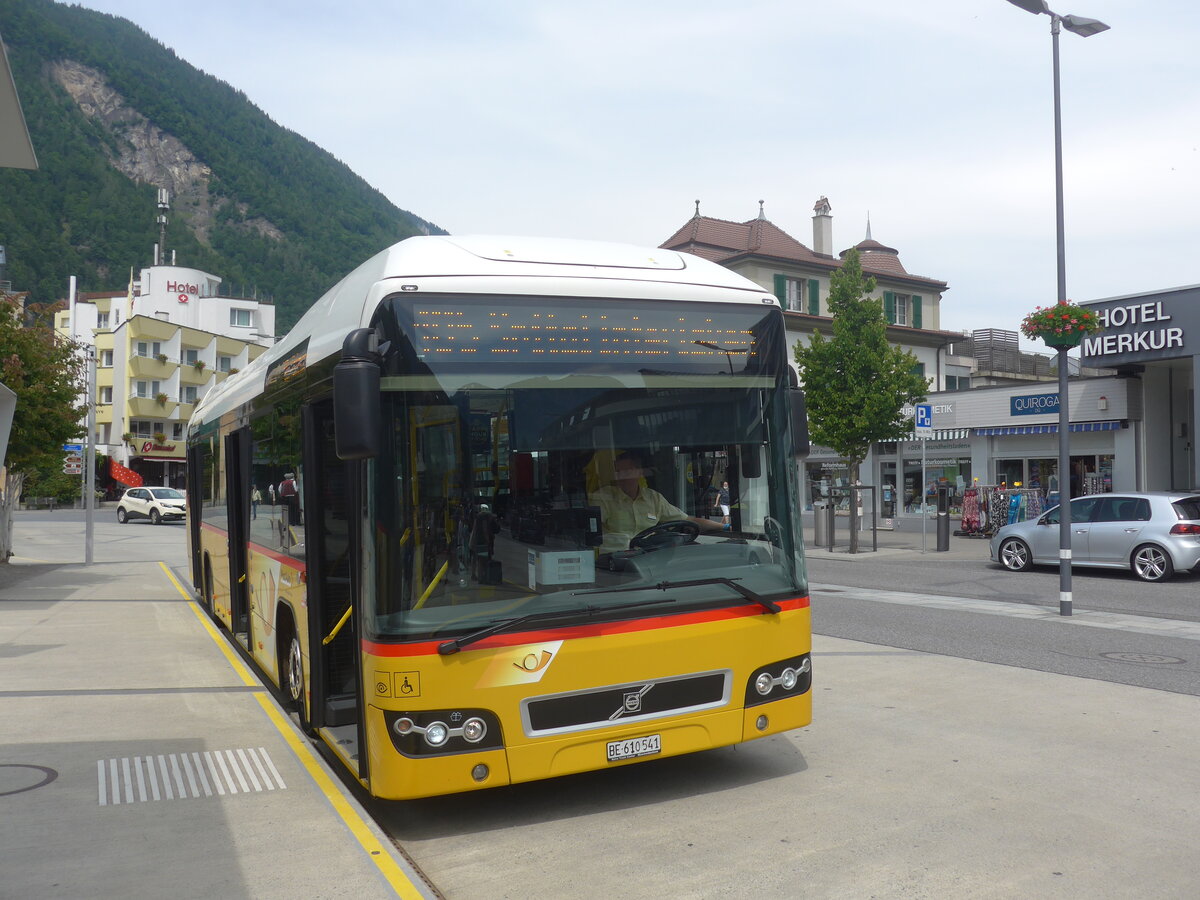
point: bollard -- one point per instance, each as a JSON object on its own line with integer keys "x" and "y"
{"x": 943, "y": 518}
{"x": 823, "y": 524}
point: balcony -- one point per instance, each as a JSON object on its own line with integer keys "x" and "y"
{"x": 189, "y": 374}
{"x": 150, "y": 367}
{"x": 150, "y": 408}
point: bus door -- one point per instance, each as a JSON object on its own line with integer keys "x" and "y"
{"x": 332, "y": 517}
{"x": 237, "y": 493}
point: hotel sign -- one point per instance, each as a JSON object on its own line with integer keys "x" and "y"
{"x": 1141, "y": 329}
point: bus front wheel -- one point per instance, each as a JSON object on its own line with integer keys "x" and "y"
{"x": 293, "y": 681}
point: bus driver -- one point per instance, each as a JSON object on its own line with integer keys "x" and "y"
{"x": 627, "y": 508}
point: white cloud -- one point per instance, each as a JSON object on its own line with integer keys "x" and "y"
{"x": 608, "y": 120}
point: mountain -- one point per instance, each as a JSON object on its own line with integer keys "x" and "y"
{"x": 114, "y": 115}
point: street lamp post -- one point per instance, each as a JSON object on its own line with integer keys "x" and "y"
{"x": 1084, "y": 28}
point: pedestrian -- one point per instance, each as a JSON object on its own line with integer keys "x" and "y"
{"x": 723, "y": 502}
{"x": 271, "y": 493}
{"x": 255, "y": 499}
{"x": 289, "y": 497}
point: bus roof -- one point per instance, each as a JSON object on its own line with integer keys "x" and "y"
{"x": 484, "y": 264}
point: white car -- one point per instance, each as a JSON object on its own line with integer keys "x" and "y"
{"x": 158, "y": 504}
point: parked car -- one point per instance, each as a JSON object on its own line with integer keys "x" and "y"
{"x": 158, "y": 504}
{"x": 1155, "y": 534}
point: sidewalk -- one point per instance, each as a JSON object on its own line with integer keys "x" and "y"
{"x": 905, "y": 539}
{"x": 140, "y": 758}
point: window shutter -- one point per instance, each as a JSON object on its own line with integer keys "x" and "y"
{"x": 781, "y": 289}
{"x": 889, "y": 307}
{"x": 916, "y": 311}
{"x": 814, "y": 297}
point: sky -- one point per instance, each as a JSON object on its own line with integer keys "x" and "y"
{"x": 607, "y": 121}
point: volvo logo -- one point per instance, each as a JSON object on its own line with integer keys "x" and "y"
{"x": 631, "y": 702}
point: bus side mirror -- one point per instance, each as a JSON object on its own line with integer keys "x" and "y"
{"x": 356, "y": 421}
{"x": 799, "y": 423}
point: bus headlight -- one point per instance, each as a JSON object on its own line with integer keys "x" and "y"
{"x": 417, "y": 733}
{"x": 778, "y": 680}
{"x": 436, "y": 734}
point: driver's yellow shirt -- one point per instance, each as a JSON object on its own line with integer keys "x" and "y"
{"x": 621, "y": 518}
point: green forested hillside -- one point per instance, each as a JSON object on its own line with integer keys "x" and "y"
{"x": 79, "y": 215}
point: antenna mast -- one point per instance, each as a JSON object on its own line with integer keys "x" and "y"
{"x": 164, "y": 204}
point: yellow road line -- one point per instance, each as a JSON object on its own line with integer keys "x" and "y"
{"x": 379, "y": 853}
{"x": 238, "y": 666}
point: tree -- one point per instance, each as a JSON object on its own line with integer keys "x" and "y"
{"x": 856, "y": 384}
{"x": 46, "y": 373}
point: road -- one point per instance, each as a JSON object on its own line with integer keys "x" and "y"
{"x": 1146, "y": 635}
{"x": 41, "y": 536}
{"x": 948, "y": 756}
{"x": 971, "y": 574}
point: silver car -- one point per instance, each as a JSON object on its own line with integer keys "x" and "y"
{"x": 158, "y": 504}
{"x": 1156, "y": 534}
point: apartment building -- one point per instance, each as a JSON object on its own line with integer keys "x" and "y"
{"x": 160, "y": 347}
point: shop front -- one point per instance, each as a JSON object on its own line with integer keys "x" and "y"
{"x": 909, "y": 481}
{"x": 826, "y": 477}
{"x": 1091, "y": 473}
{"x": 993, "y": 439}
{"x": 159, "y": 463}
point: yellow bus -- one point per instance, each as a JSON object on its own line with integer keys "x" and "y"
{"x": 438, "y": 577}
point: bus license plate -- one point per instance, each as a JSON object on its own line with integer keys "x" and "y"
{"x": 634, "y": 747}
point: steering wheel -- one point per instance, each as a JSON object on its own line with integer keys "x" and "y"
{"x": 665, "y": 534}
{"x": 773, "y": 531}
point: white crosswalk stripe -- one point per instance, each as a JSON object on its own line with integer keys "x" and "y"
{"x": 184, "y": 776}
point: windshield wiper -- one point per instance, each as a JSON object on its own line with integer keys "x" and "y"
{"x": 447, "y": 647}
{"x": 762, "y": 601}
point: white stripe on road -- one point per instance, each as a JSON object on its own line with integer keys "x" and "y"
{"x": 1092, "y": 618}
{"x": 181, "y": 776}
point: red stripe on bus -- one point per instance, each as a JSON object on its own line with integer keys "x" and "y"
{"x": 290, "y": 561}
{"x": 515, "y": 638}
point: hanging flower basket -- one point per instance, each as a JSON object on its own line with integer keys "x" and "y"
{"x": 1061, "y": 325}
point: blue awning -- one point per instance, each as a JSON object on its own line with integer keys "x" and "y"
{"x": 1046, "y": 429}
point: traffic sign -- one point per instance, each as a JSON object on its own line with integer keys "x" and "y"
{"x": 72, "y": 448}
{"x": 69, "y": 469}
{"x": 73, "y": 460}
{"x": 924, "y": 420}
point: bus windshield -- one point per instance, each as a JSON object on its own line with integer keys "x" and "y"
{"x": 518, "y": 489}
